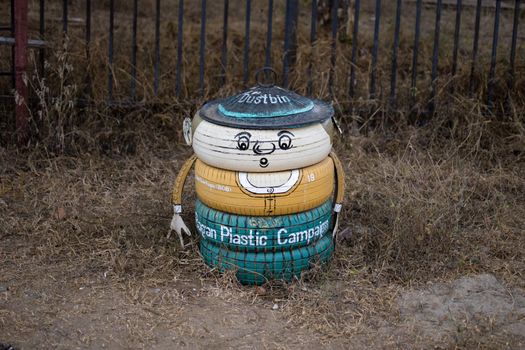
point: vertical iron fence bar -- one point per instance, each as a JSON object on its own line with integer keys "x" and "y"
{"x": 64, "y": 16}
{"x": 475, "y": 47}
{"x": 268, "y": 60}
{"x": 110, "y": 48}
{"x": 224, "y": 50}
{"x": 41, "y": 52}
{"x": 88, "y": 45}
{"x": 179, "y": 47}
{"x": 286, "y": 43}
{"x": 13, "y": 71}
{"x": 202, "y": 47}
{"x": 415, "y": 53}
{"x": 353, "y": 59}
{"x": 435, "y": 58}
{"x": 246, "y": 59}
{"x": 88, "y": 30}
{"x": 313, "y": 39}
{"x": 290, "y": 40}
{"x": 157, "y": 49}
{"x": 374, "y": 50}
{"x": 335, "y": 28}
{"x": 459, "y": 8}
{"x": 494, "y": 55}
{"x": 515, "y": 24}
{"x": 20, "y": 62}
{"x": 344, "y": 19}
{"x": 395, "y": 46}
{"x": 134, "y": 50}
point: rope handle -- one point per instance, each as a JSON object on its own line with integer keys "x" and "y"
{"x": 340, "y": 176}
{"x": 178, "y": 186}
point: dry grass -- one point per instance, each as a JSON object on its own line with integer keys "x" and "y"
{"x": 423, "y": 204}
{"x": 88, "y": 207}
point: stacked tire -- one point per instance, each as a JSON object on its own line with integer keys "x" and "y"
{"x": 264, "y": 192}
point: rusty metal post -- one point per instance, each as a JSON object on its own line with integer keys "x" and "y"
{"x": 21, "y": 111}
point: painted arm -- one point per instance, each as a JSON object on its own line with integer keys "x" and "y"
{"x": 177, "y": 224}
{"x": 340, "y": 188}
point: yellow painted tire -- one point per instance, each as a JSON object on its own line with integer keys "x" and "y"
{"x": 265, "y": 194}
{"x": 261, "y": 150}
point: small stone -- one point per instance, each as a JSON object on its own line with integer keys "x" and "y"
{"x": 60, "y": 213}
{"x": 345, "y": 234}
{"x": 275, "y": 307}
{"x": 475, "y": 260}
{"x": 3, "y": 289}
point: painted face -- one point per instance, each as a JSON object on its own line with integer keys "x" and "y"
{"x": 260, "y": 150}
{"x": 263, "y": 148}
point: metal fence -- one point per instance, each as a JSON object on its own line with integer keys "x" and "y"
{"x": 332, "y": 14}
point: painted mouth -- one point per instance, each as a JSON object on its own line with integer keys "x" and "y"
{"x": 278, "y": 183}
{"x": 263, "y": 163}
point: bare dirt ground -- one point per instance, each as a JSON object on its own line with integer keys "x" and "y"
{"x": 430, "y": 252}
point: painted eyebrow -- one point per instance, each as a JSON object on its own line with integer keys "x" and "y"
{"x": 284, "y": 132}
{"x": 243, "y": 133}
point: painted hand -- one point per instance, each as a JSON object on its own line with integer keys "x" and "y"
{"x": 178, "y": 225}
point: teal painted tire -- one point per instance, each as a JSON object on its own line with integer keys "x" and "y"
{"x": 258, "y": 233}
{"x": 260, "y": 267}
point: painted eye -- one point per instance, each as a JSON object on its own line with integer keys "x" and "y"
{"x": 285, "y": 142}
{"x": 243, "y": 142}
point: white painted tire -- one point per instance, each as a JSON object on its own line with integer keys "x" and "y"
{"x": 261, "y": 150}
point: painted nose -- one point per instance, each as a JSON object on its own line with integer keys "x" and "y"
{"x": 258, "y": 150}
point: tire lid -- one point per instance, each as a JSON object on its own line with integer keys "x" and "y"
{"x": 266, "y": 106}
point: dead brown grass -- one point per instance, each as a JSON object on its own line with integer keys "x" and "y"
{"x": 91, "y": 208}
{"x": 423, "y": 204}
